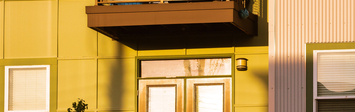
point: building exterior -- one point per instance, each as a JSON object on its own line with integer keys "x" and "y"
{"x": 89, "y": 65}
{"x": 298, "y": 30}
{"x": 53, "y": 39}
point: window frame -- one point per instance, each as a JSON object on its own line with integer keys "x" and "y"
{"x": 315, "y": 78}
{"x": 6, "y": 94}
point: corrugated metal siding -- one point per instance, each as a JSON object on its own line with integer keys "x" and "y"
{"x": 298, "y": 22}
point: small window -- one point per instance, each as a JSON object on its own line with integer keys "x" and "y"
{"x": 186, "y": 67}
{"x": 27, "y": 88}
{"x": 334, "y": 80}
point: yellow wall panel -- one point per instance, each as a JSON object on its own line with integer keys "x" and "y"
{"x": 161, "y": 52}
{"x": 116, "y": 84}
{"x": 76, "y": 79}
{"x": 111, "y": 48}
{"x": 251, "y": 50}
{"x": 251, "y": 109}
{"x": 1, "y": 29}
{"x": 210, "y": 50}
{"x": 251, "y": 85}
{"x": 30, "y": 29}
{"x": 75, "y": 39}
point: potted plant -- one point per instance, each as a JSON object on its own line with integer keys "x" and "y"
{"x": 81, "y": 106}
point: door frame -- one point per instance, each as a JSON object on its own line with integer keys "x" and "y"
{"x": 138, "y": 59}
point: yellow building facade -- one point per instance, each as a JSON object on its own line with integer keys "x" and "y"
{"x": 102, "y": 71}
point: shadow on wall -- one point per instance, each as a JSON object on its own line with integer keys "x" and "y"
{"x": 121, "y": 84}
{"x": 116, "y": 81}
{"x": 262, "y": 76}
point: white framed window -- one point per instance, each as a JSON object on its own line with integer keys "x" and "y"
{"x": 333, "y": 80}
{"x": 27, "y": 88}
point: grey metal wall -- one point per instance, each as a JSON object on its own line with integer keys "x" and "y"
{"x": 292, "y": 24}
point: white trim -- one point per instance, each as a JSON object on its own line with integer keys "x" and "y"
{"x": 272, "y": 40}
{"x": 329, "y": 51}
{"x": 336, "y": 97}
{"x": 315, "y": 77}
{"x": 6, "y": 99}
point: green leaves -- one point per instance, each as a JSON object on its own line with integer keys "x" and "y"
{"x": 81, "y": 106}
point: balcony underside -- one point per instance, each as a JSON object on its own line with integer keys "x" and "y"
{"x": 175, "y": 20}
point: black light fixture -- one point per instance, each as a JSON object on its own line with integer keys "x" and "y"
{"x": 242, "y": 64}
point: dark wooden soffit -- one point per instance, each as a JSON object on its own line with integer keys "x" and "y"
{"x": 124, "y": 20}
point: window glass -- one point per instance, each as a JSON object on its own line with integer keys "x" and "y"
{"x": 208, "y": 94}
{"x": 209, "y": 98}
{"x": 27, "y": 89}
{"x": 186, "y": 67}
{"x": 336, "y": 105}
{"x": 161, "y": 99}
{"x": 336, "y": 74}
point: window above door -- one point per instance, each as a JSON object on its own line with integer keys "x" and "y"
{"x": 186, "y": 67}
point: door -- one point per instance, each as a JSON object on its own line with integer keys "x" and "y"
{"x": 202, "y": 95}
{"x": 161, "y": 95}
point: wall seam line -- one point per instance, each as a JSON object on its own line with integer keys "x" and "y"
{"x": 57, "y": 28}
{"x": 57, "y": 56}
{"x": 3, "y": 32}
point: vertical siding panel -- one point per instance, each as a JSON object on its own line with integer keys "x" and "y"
{"x": 290, "y": 56}
{"x": 316, "y": 20}
{"x": 338, "y": 20}
{"x": 352, "y": 20}
{"x": 309, "y": 21}
{"x": 334, "y": 21}
{"x": 281, "y": 79}
{"x": 295, "y": 39}
{"x": 297, "y": 25}
{"x": 323, "y": 26}
{"x": 313, "y": 21}
{"x": 348, "y": 15}
{"x": 303, "y": 98}
{"x": 327, "y": 21}
{"x": 322, "y": 21}
{"x": 278, "y": 58}
{"x": 299, "y": 22}
{"x": 285, "y": 77}
{"x": 299, "y": 36}
{"x": 342, "y": 17}
{"x": 302, "y": 39}
{"x": 287, "y": 51}
{"x": 283, "y": 74}
{"x": 331, "y": 10}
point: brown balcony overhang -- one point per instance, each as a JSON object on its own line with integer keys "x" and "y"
{"x": 128, "y": 21}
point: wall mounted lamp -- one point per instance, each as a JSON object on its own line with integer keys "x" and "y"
{"x": 242, "y": 64}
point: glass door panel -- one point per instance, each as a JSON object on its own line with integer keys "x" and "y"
{"x": 209, "y": 98}
{"x": 208, "y": 95}
{"x": 161, "y": 98}
{"x": 161, "y": 95}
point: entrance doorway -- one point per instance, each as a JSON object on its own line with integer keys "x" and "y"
{"x": 199, "y": 95}
{"x": 192, "y": 85}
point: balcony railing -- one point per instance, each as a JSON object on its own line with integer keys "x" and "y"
{"x": 136, "y": 2}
